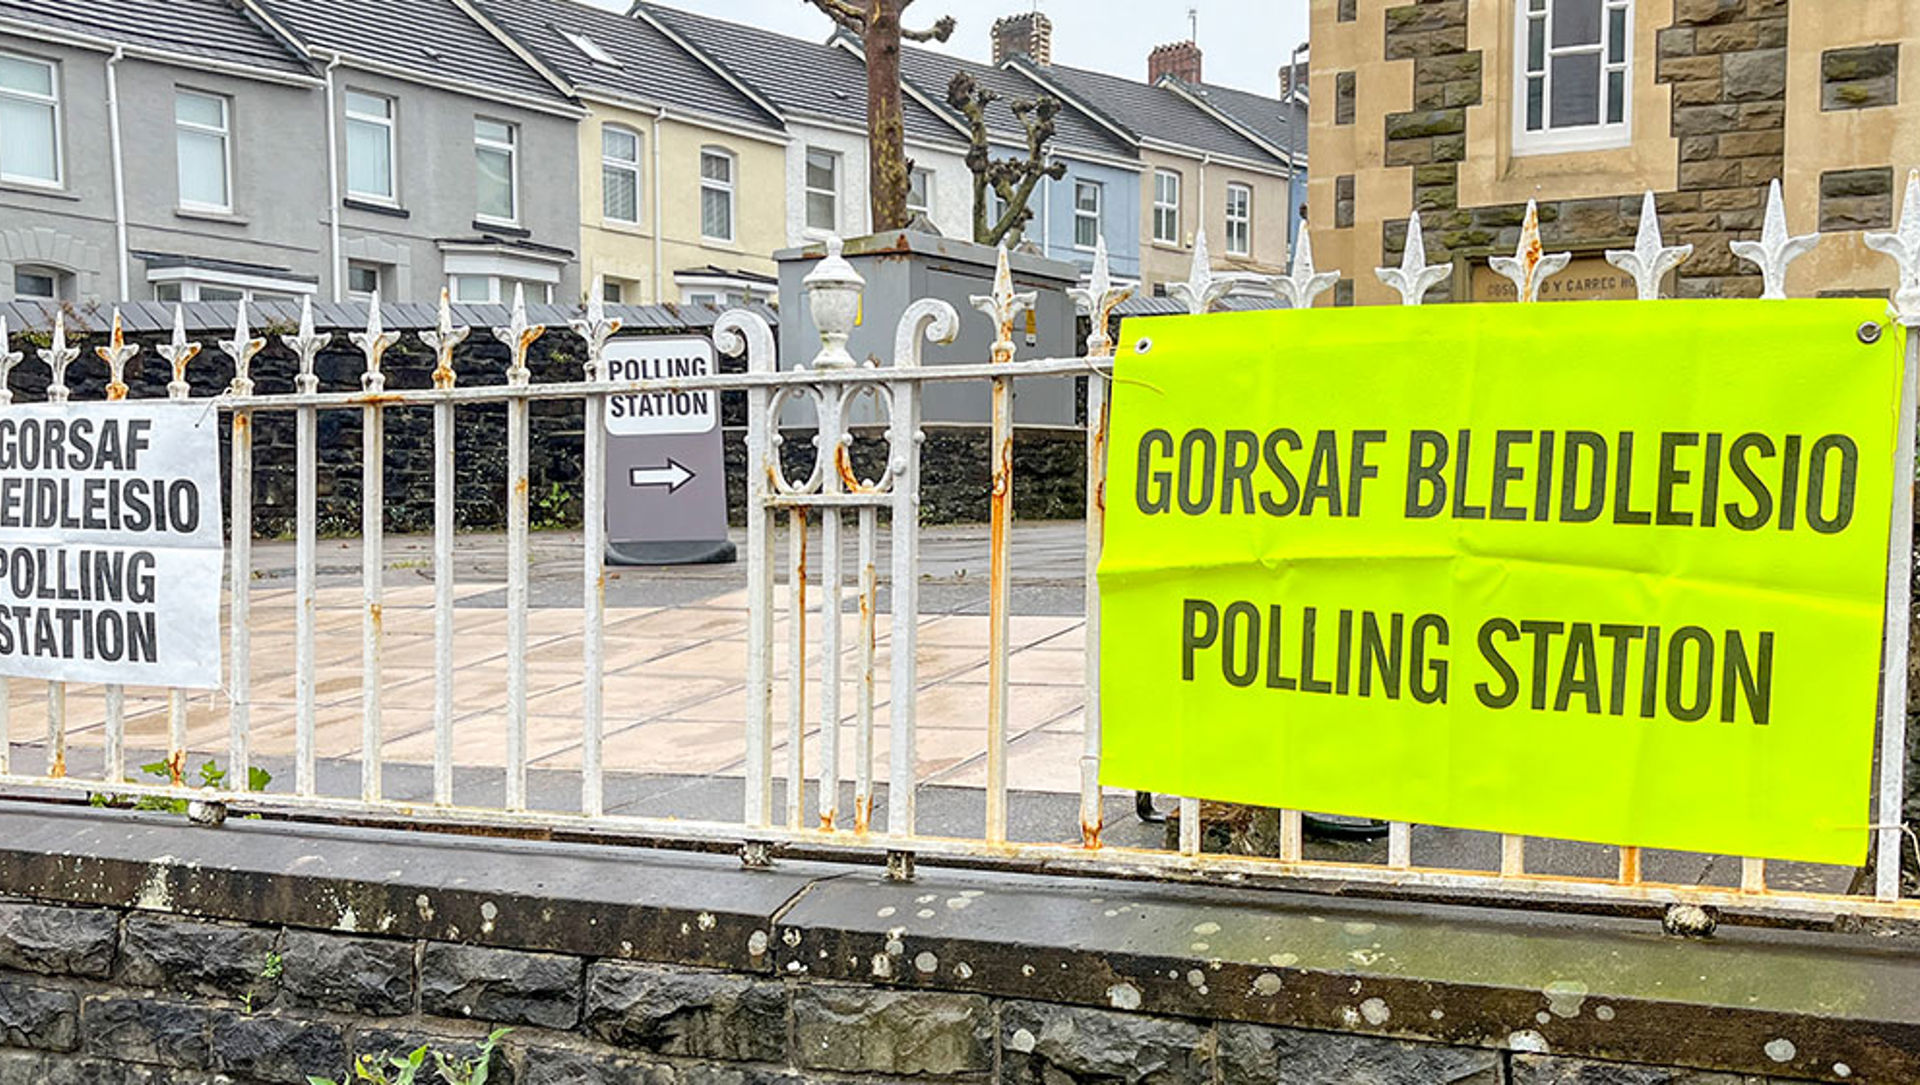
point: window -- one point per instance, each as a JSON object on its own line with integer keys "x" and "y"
{"x": 619, "y": 174}
{"x": 1086, "y": 214}
{"x": 716, "y": 194}
{"x": 36, "y": 284}
{"x": 200, "y": 138}
{"x": 29, "y": 121}
{"x": 823, "y": 190}
{"x": 613, "y": 291}
{"x": 591, "y": 49}
{"x": 920, "y": 192}
{"x": 370, "y": 146}
{"x": 1166, "y": 206}
{"x": 1239, "y": 220}
{"x": 363, "y": 280}
{"x": 496, "y": 289}
{"x": 494, "y": 153}
{"x": 1574, "y": 57}
{"x": 189, "y": 285}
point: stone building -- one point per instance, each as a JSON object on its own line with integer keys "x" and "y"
{"x": 1465, "y": 109}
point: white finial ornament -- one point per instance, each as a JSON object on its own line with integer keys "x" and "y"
{"x": 241, "y": 348}
{"x": 1004, "y": 306}
{"x": 1530, "y": 265}
{"x": 1903, "y": 246}
{"x": 9, "y": 358}
{"x": 116, "y": 354}
{"x": 306, "y": 345}
{"x": 1777, "y": 248}
{"x": 596, "y": 329}
{"x": 833, "y": 300}
{"x": 1097, "y": 299}
{"x": 373, "y": 343}
{"x": 1650, "y": 258}
{"x": 519, "y": 336}
{"x": 442, "y": 340}
{"x": 1202, "y": 289}
{"x": 1414, "y": 277}
{"x": 1304, "y": 283}
{"x": 178, "y": 353}
{"x": 58, "y": 357}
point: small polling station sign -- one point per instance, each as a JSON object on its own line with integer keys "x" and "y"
{"x": 110, "y": 543}
{"x": 1611, "y": 572}
{"x": 666, "y": 472}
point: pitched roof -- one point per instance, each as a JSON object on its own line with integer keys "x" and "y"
{"x": 1150, "y": 112}
{"x": 434, "y": 39}
{"x": 214, "y": 29}
{"x": 801, "y": 78}
{"x": 650, "y": 66}
{"x": 1280, "y": 123}
{"x": 931, "y": 72}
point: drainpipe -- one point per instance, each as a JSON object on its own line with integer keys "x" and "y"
{"x": 119, "y": 172}
{"x": 335, "y": 271}
{"x": 1046, "y": 218}
{"x": 659, "y": 218}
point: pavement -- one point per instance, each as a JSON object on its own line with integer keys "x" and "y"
{"x": 675, "y": 695}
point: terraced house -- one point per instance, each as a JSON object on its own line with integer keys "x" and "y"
{"x": 1465, "y": 109}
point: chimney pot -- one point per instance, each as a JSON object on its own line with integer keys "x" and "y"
{"x": 1180, "y": 59}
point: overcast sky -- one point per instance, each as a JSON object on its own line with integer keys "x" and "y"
{"x": 1246, "y": 42}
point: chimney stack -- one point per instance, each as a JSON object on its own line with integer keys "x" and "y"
{"x": 1180, "y": 60}
{"x": 1029, "y": 34}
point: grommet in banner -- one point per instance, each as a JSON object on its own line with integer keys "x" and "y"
{"x": 1869, "y": 333}
{"x": 1143, "y": 346}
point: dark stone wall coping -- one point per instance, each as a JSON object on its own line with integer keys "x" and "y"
{"x": 514, "y": 919}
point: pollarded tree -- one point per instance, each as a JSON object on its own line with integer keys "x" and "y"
{"x": 1011, "y": 179}
{"x": 877, "y": 24}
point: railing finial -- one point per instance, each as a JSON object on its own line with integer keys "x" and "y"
{"x": 1530, "y": 265}
{"x": 1903, "y": 246}
{"x": 1097, "y": 299}
{"x": 1299, "y": 287}
{"x": 9, "y": 358}
{"x": 241, "y": 348}
{"x": 1201, "y": 290}
{"x": 1004, "y": 306}
{"x": 58, "y": 357}
{"x": 178, "y": 353}
{"x": 1651, "y": 257}
{"x": 1777, "y": 248}
{"x": 1414, "y": 277}
{"x": 442, "y": 340}
{"x": 596, "y": 329}
{"x": 373, "y": 343}
{"x": 116, "y": 354}
{"x": 519, "y": 336}
{"x": 306, "y": 345}
{"x": 833, "y": 298}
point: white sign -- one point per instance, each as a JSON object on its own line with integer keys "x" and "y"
{"x": 110, "y": 543}
{"x": 658, "y": 414}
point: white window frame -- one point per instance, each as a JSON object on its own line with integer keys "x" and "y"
{"x": 1588, "y": 137}
{"x": 926, "y": 207}
{"x": 808, "y": 192}
{"x": 55, "y": 275}
{"x": 225, "y": 132}
{"x": 191, "y": 280}
{"x": 390, "y": 123}
{"x": 59, "y": 148}
{"x": 1170, "y": 210}
{"x": 609, "y": 163}
{"x": 1239, "y": 199}
{"x": 1081, "y": 214}
{"x": 727, "y": 189}
{"x": 512, "y": 148}
{"x": 500, "y": 289}
{"x": 378, "y": 280}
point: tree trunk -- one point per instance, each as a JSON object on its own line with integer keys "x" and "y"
{"x": 887, "y": 169}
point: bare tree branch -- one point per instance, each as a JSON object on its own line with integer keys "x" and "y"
{"x": 842, "y": 12}
{"x": 940, "y": 31}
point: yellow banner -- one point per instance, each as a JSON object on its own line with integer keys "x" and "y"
{"x": 1609, "y": 572}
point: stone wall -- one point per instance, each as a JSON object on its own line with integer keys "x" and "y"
{"x": 1726, "y": 62}
{"x": 1049, "y": 463}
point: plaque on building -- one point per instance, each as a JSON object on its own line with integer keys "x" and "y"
{"x": 1587, "y": 278}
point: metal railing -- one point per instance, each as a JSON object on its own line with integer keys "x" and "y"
{"x": 834, "y": 495}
